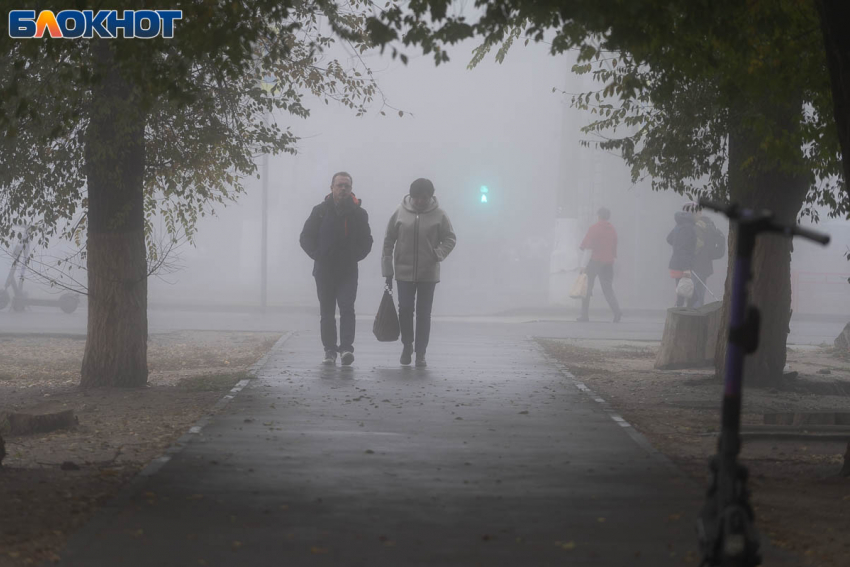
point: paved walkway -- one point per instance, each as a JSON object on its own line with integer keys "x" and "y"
{"x": 490, "y": 456}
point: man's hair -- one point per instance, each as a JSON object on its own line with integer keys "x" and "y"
{"x": 342, "y": 174}
{"x": 422, "y": 188}
{"x": 603, "y": 213}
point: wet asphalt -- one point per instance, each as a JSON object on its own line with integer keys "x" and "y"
{"x": 490, "y": 456}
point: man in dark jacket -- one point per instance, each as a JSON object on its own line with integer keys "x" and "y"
{"x": 337, "y": 236}
{"x": 683, "y": 239}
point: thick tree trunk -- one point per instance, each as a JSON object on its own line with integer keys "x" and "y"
{"x": 834, "y": 16}
{"x": 686, "y": 338}
{"x": 116, "y": 348}
{"x": 783, "y": 193}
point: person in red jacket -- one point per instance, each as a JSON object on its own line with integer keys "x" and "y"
{"x": 601, "y": 240}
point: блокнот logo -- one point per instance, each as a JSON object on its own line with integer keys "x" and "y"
{"x": 71, "y": 24}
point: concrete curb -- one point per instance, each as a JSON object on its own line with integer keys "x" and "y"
{"x": 101, "y": 519}
{"x": 627, "y": 427}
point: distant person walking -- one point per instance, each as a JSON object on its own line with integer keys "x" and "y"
{"x": 419, "y": 237}
{"x": 683, "y": 239}
{"x": 710, "y": 246}
{"x": 337, "y": 236}
{"x": 601, "y": 240}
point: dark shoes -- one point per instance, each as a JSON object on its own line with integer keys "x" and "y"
{"x": 330, "y": 357}
{"x": 420, "y": 361}
{"x": 406, "y": 354}
{"x": 617, "y": 316}
{"x": 347, "y": 358}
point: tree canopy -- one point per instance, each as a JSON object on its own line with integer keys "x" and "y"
{"x": 99, "y": 137}
{"x": 206, "y": 94}
{"x": 677, "y": 76}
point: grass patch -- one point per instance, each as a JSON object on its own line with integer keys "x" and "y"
{"x": 211, "y": 382}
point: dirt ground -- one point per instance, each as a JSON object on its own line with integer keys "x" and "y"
{"x": 801, "y": 503}
{"x": 119, "y": 431}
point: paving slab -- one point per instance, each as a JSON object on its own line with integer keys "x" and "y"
{"x": 489, "y": 456}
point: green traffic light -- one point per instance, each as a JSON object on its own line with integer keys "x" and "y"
{"x": 484, "y": 192}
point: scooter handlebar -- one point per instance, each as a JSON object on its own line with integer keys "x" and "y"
{"x": 733, "y": 213}
{"x": 797, "y": 230}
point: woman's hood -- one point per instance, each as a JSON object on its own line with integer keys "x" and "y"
{"x": 407, "y": 203}
{"x": 683, "y": 217}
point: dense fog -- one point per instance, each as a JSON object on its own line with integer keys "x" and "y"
{"x": 499, "y": 126}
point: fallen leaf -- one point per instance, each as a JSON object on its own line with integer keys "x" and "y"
{"x": 318, "y": 550}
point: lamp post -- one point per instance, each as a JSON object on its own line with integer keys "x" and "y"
{"x": 264, "y": 247}
{"x": 267, "y": 85}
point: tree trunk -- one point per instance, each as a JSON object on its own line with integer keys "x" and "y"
{"x": 116, "y": 347}
{"x": 782, "y": 192}
{"x": 834, "y": 15}
{"x": 685, "y": 339}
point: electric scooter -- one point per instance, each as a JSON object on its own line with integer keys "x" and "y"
{"x": 726, "y": 525}
{"x": 67, "y": 302}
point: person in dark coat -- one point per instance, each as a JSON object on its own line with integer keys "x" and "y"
{"x": 683, "y": 239}
{"x": 710, "y": 246}
{"x": 337, "y": 236}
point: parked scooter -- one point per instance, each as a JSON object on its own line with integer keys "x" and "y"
{"x": 726, "y": 526}
{"x": 67, "y": 302}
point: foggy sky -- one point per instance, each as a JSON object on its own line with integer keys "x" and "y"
{"x": 497, "y": 125}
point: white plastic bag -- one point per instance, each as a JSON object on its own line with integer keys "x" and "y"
{"x": 579, "y": 289}
{"x": 685, "y": 288}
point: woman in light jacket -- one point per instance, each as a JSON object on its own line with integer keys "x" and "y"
{"x": 419, "y": 237}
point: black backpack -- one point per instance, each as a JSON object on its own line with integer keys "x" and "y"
{"x": 715, "y": 243}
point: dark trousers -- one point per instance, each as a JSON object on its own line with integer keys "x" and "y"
{"x": 605, "y": 272}
{"x": 337, "y": 288}
{"x": 422, "y": 294}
